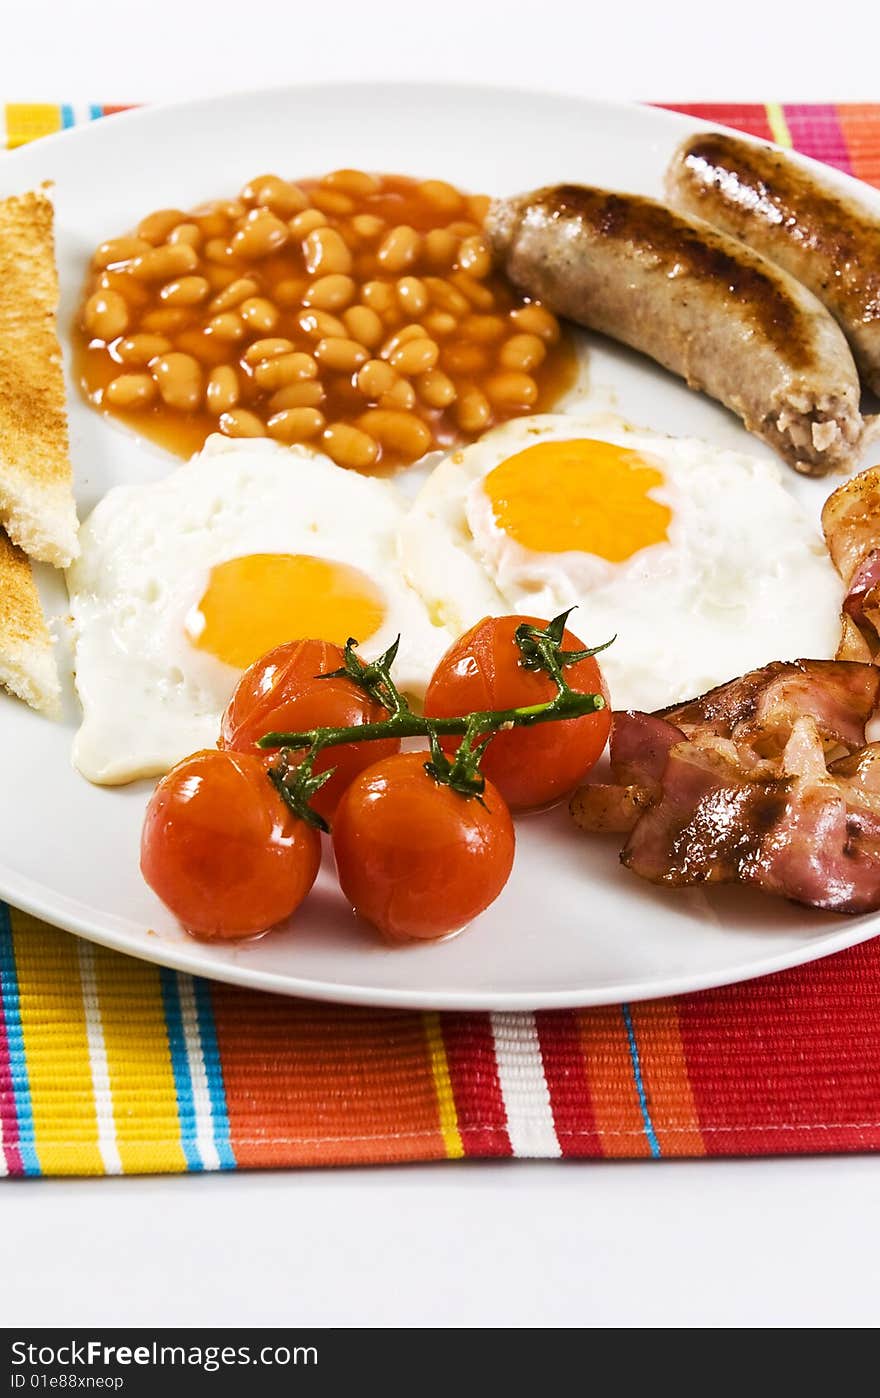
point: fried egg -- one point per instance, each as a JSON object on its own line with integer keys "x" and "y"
{"x": 182, "y": 584}
{"x": 697, "y": 560}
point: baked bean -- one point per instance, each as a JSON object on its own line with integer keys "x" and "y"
{"x": 282, "y": 197}
{"x": 321, "y": 325}
{"x": 179, "y": 380}
{"x": 203, "y": 346}
{"x": 308, "y": 394}
{"x": 341, "y": 354}
{"x": 403, "y": 433}
{"x": 512, "y": 390}
{"x": 135, "y": 293}
{"x": 233, "y": 294}
{"x": 414, "y": 357}
{"x": 350, "y": 447}
{"x": 440, "y": 324}
{"x": 218, "y": 277}
{"x": 479, "y": 296}
{"x": 473, "y": 412}
{"x": 290, "y": 292}
{"x": 333, "y": 201}
{"x": 483, "y": 329}
{"x": 130, "y": 391}
{"x": 332, "y": 293}
{"x": 267, "y": 349}
{"x": 262, "y": 234}
{"x": 441, "y": 247}
{"x": 259, "y": 314}
{"x": 229, "y": 327}
{"x": 166, "y": 320}
{"x": 375, "y": 378}
{"x": 161, "y": 264}
{"x": 402, "y": 337}
{"x": 186, "y": 291}
{"x": 306, "y": 222}
{"x": 464, "y": 228}
{"x": 156, "y": 227}
{"x": 296, "y": 424}
{"x": 474, "y": 256}
{"x": 379, "y": 296}
{"x": 240, "y": 423}
{"x": 523, "y": 352}
{"x": 446, "y": 297}
{"x": 367, "y": 226}
{"x": 119, "y": 250}
{"x": 412, "y": 295}
{"x": 222, "y": 392}
{"x": 140, "y": 349}
{"x": 478, "y": 207}
{"x": 399, "y": 249}
{"x": 325, "y": 252}
{"x": 284, "y": 369}
{"x": 186, "y": 233}
{"x": 106, "y": 315}
{"x": 401, "y": 395}
{"x": 444, "y": 197}
{"x": 212, "y": 220}
{"x": 436, "y": 389}
{"x": 218, "y": 250}
{"x": 356, "y": 182}
{"x": 364, "y": 325}
{"x": 535, "y": 320}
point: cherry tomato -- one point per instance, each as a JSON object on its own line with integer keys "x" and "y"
{"x": 221, "y": 849}
{"x": 530, "y": 766}
{"x": 280, "y": 693}
{"x": 414, "y": 857}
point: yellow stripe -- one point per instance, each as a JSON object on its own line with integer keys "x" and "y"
{"x": 778, "y": 124}
{"x": 443, "y": 1087}
{"x": 26, "y": 121}
{"x": 57, "y": 1049}
{"x": 138, "y": 1064}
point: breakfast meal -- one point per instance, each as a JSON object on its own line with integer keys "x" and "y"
{"x": 797, "y": 217}
{"x": 358, "y": 312}
{"x": 703, "y": 305}
{"x": 407, "y": 586}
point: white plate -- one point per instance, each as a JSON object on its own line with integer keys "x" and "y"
{"x": 571, "y": 928}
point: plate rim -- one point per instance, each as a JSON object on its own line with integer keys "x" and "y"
{"x": 21, "y": 893}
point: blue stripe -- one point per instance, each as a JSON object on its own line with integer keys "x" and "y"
{"x": 214, "y": 1073}
{"x": 67, "y": 117}
{"x": 640, "y": 1086}
{"x": 186, "y": 1110}
{"x": 95, "y": 111}
{"x": 21, "y": 1087}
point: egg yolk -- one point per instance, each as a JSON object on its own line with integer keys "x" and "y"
{"x": 255, "y": 603}
{"x": 583, "y": 496}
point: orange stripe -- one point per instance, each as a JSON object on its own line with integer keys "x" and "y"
{"x": 860, "y": 125}
{"x": 322, "y": 1084}
{"x": 609, "y": 1068}
{"x": 665, "y": 1078}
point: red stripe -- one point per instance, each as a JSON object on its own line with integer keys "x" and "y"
{"x": 815, "y": 130}
{"x": 743, "y": 116}
{"x": 562, "y": 1050}
{"x": 790, "y": 1063}
{"x": 8, "y": 1115}
{"x": 473, "y": 1072}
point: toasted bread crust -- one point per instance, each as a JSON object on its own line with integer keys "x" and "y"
{"x": 36, "y": 484}
{"x": 27, "y": 662}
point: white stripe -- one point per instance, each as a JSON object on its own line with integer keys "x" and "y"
{"x": 107, "y": 1142}
{"x": 80, "y": 113}
{"x": 524, "y": 1086}
{"x": 198, "y": 1074}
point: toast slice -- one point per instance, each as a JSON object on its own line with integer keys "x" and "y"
{"x": 37, "y": 507}
{"x": 27, "y": 660}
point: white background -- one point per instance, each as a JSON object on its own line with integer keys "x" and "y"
{"x": 740, "y": 1243}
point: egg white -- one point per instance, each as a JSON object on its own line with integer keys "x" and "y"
{"x": 744, "y": 577}
{"x": 149, "y": 697}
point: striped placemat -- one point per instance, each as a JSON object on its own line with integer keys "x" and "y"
{"x": 110, "y": 1065}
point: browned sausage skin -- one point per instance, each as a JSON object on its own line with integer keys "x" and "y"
{"x": 827, "y": 239}
{"x": 703, "y": 305}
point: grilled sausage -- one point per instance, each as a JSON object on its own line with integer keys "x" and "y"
{"x": 829, "y": 240}
{"x": 700, "y": 303}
